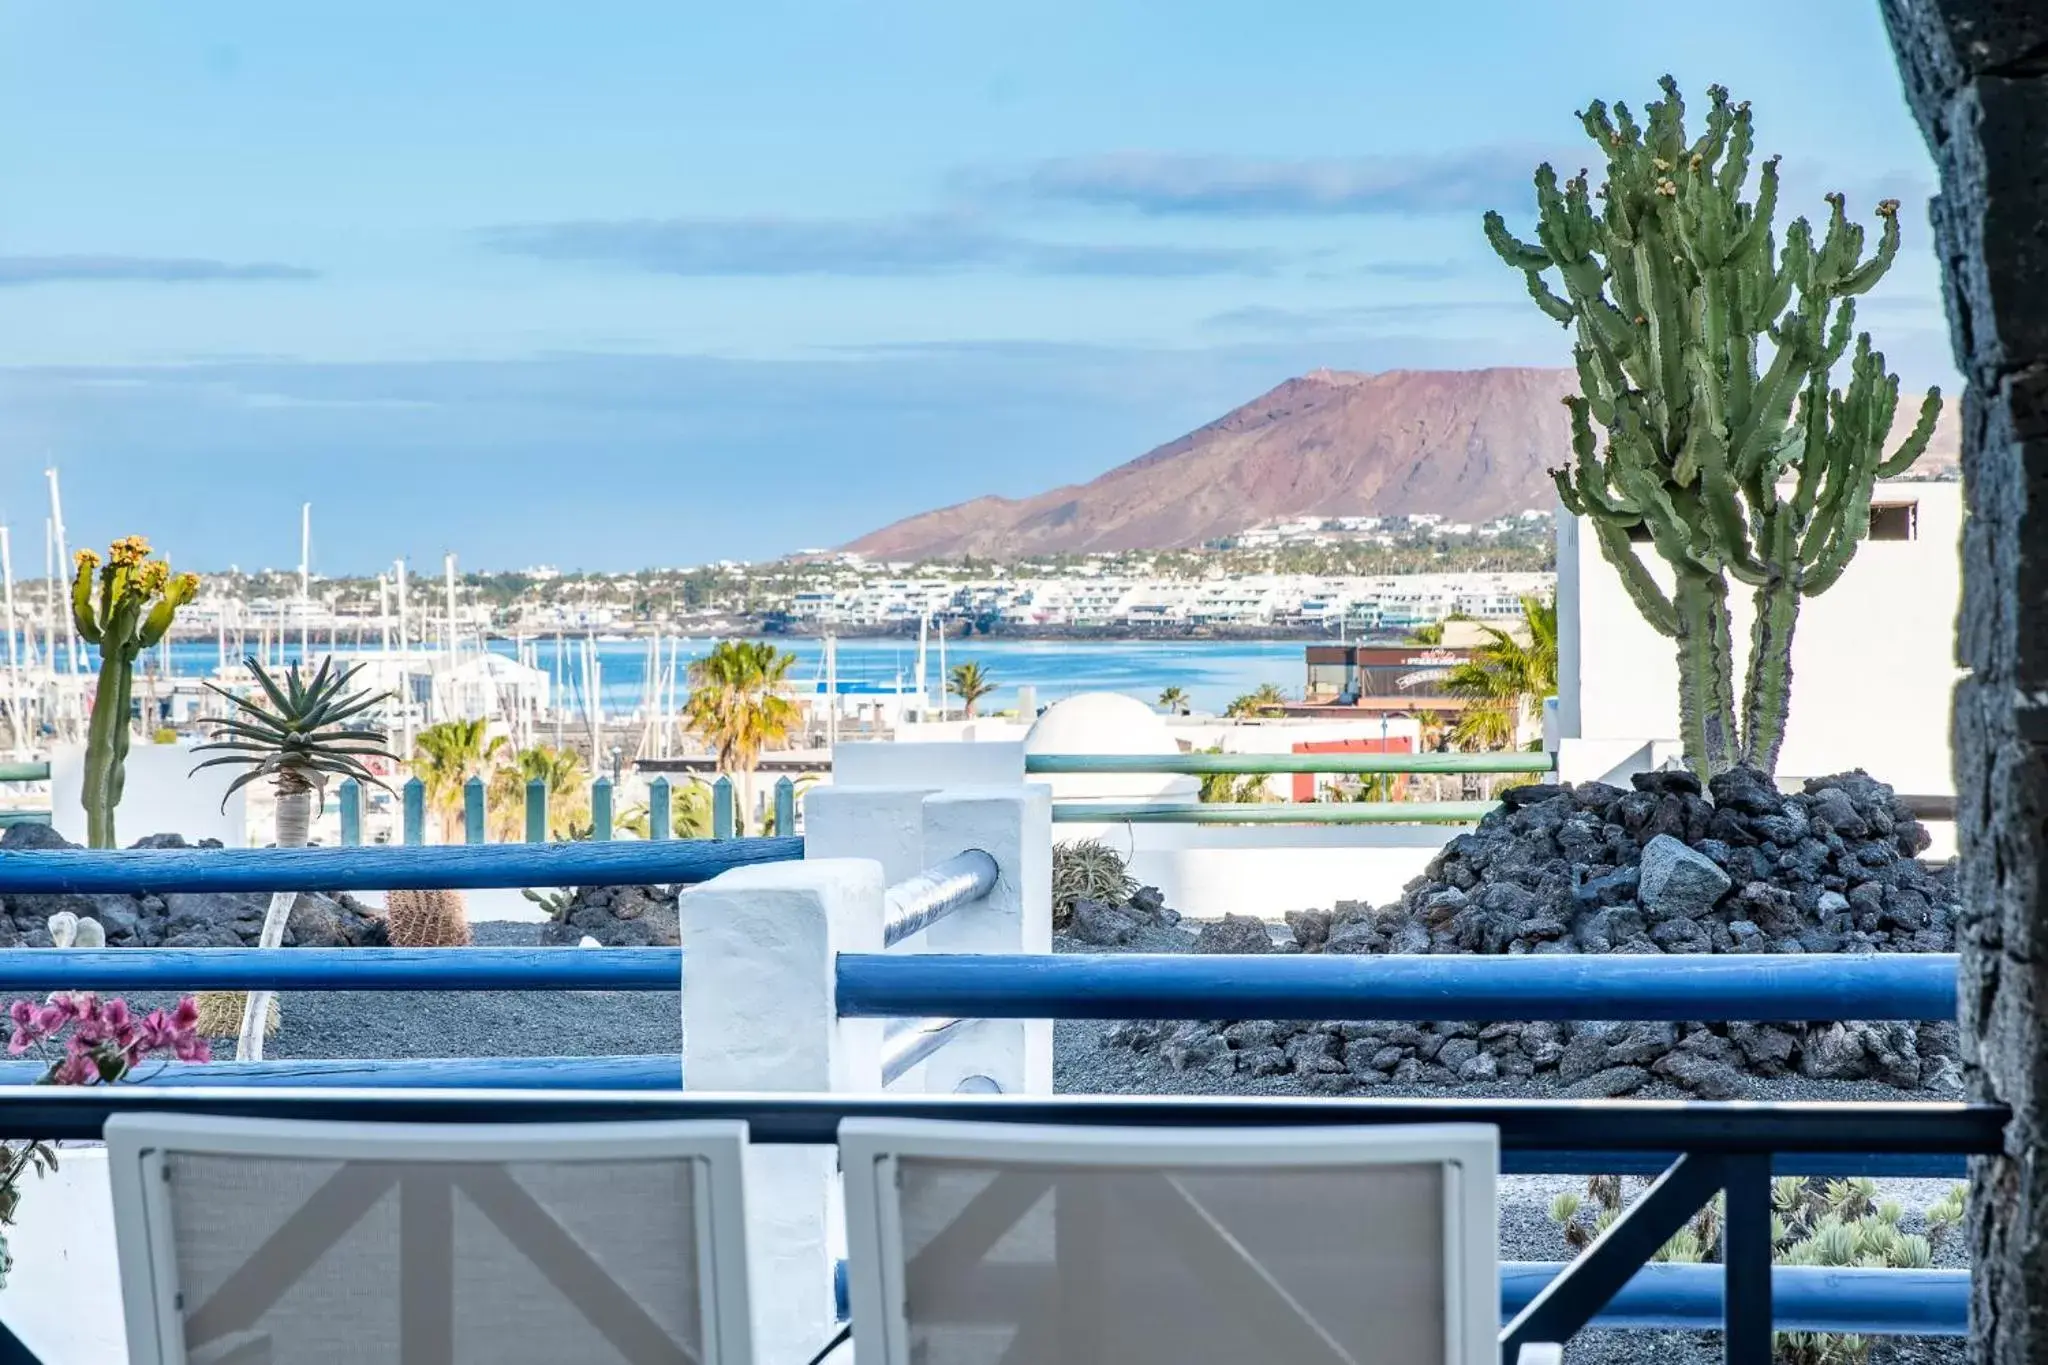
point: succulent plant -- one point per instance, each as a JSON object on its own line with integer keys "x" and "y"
{"x": 1706, "y": 349}
{"x": 1813, "y": 1223}
{"x": 1087, "y": 869}
{"x": 298, "y": 735}
{"x": 427, "y": 919}
{"x": 130, "y": 610}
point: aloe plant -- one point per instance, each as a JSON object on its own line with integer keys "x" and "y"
{"x": 298, "y": 735}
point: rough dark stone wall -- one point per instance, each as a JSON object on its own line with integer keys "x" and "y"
{"x": 1976, "y": 75}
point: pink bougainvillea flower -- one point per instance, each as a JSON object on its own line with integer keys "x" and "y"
{"x": 103, "y": 1041}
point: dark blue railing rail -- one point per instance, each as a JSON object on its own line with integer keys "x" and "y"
{"x": 342, "y": 969}
{"x": 1427, "y": 987}
{"x": 1095, "y": 986}
{"x": 157, "y": 871}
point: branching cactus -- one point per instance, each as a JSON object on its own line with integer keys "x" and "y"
{"x": 120, "y": 609}
{"x": 1707, "y": 423}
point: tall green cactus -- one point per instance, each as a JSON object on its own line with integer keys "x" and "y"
{"x": 135, "y": 602}
{"x": 1732, "y": 469}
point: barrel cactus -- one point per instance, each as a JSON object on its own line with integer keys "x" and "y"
{"x": 1706, "y": 349}
{"x": 120, "y": 609}
{"x": 427, "y": 919}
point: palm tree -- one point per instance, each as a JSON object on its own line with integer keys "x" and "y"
{"x": 1506, "y": 678}
{"x": 736, "y": 706}
{"x": 1233, "y": 788}
{"x": 970, "y": 682}
{"x": 1174, "y": 701}
{"x": 1267, "y": 700}
{"x": 444, "y": 757}
{"x": 568, "y": 791}
{"x": 298, "y": 735}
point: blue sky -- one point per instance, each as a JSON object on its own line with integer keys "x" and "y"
{"x": 614, "y": 284}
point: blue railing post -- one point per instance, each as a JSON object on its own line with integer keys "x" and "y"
{"x": 536, "y": 811}
{"x": 414, "y": 799}
{"x": 721, "y": 809}
{"x": 473, "y": 811}
{"x": 1746, "y": 1251}
{"x": 351, "y": 797}
{"x": 785, "y": 807}
{"x": 660, "y": 809}
{"x": 601, "y": 808}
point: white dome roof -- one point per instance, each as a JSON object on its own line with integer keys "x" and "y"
{"x": 1108, "y": 723}
{"x": 1100, "y": 723}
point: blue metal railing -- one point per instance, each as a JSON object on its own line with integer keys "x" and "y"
{"x": 1701, "y": 1149}
{"x": 1426, "y": 987}
{"x": 156, "y": 871}
{"x": 1722, "y": 1146}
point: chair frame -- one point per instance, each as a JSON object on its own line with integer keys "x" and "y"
{"x": 1469, "y": 1155}
{"x": 137, "y": 1144}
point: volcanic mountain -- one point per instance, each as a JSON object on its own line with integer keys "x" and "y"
{"x": 1469, "y": 445}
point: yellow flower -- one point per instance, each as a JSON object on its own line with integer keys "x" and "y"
{"x": 154, "y": 575}
{"x": 128, "y": 551}
{"x": 86, "y": 561}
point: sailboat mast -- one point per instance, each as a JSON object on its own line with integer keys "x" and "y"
{"x": 63, "y": 559}
{"x": 561, "y": 697}
{"x": 305, "y": 582}
{"x": 14, "y": 720}
{"x": 924, "y": 696}
{"x": 448, "y": 575}
{"x": 831, "y": 691}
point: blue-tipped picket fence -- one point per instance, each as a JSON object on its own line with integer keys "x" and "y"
{"x": 659, "y": 815}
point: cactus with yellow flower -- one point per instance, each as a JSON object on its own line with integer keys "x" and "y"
{"x": 120, "y": 608}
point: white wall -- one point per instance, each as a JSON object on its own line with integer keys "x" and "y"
{"x": 1209, "y": 871}
{"x": 63, "y": 1295}
{"x": 1872, "y": 658}
{"x": 158, "y": 797}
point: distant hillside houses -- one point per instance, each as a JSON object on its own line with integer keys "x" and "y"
{"x": 1389, "y": 530}
{"x": 1365, "y": 605}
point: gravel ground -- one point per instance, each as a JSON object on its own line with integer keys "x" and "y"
{"x": 379, "y": 1024}
{"x": 535, "y": 1023}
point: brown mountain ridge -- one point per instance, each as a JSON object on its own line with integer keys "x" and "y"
{"x": 1469, "y": 445}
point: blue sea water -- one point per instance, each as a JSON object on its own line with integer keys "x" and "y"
{"x": 1211, "y": 672}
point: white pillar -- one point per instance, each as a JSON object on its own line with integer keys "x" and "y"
{"x": 882, "y": 823}
{"x": 760, "y": 1013}
{"x": 1014, "y": 826}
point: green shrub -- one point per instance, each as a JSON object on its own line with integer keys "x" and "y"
{"x": 1813, "y": 1223}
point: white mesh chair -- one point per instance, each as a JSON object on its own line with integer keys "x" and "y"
{"x": 284, "y": 1243}
{"x": 999, "y": 1244}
